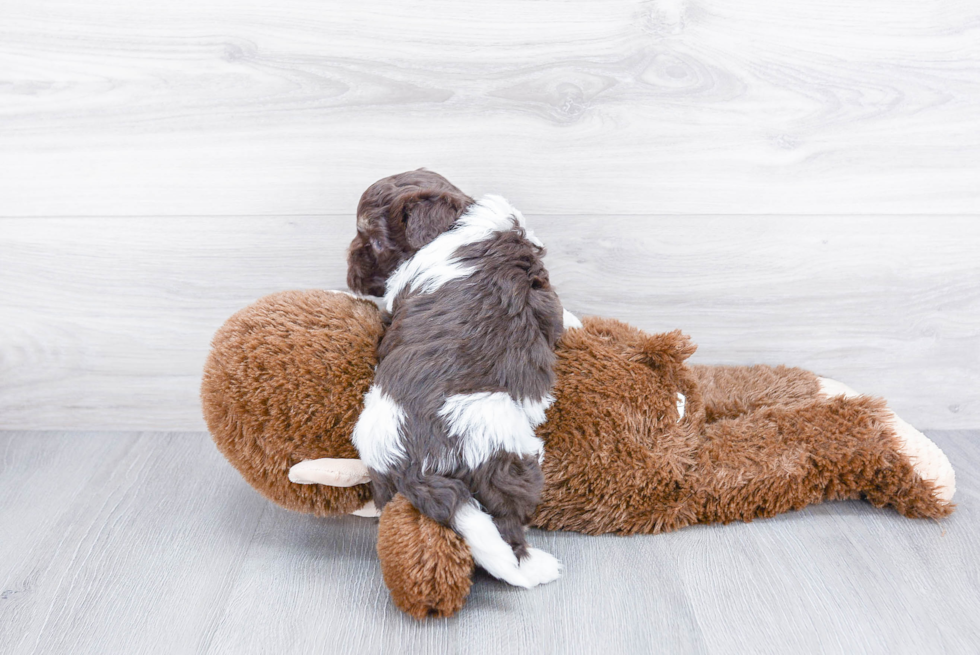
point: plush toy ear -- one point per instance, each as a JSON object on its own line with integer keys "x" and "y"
{"x": 331, "y": 472}
{"x": 426, "y": 213}
{"x": 668, "y": 347}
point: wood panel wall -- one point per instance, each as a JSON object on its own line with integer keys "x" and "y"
{"x": 788, "y": 182}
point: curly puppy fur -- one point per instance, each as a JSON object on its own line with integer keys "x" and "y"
{"x": 396, "y": 216}
{"x": 466, "y": 364}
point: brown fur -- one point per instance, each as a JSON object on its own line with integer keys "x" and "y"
{"x": 773, "y": 445}
{"x": 286, "y": 377}
{"x": 426, "y": 565}
{"x": 731, "y": 391}
{"x": 284, "y": 382}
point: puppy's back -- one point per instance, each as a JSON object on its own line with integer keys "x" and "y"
{"x": 466, "y": 368}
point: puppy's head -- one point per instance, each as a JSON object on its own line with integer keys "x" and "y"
{"x": 395, "y": 217}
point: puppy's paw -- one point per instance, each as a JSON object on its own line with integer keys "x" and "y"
{"x": 540, "y": 567}
{"x": 505, "y": 568}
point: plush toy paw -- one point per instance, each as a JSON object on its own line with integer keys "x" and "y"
{"x": 427, "y": 566}
{"x": 929, "y": 462}
{"x": 335, "y": 472}
{"x": 330, "y": 471}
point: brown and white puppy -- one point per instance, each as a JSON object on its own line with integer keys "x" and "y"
{"x": 465, "y": 367}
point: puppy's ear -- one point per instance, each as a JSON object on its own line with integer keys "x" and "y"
{"x": 425, "y": 214}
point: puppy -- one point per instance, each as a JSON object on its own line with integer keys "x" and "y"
{"x": 465, "y": 366}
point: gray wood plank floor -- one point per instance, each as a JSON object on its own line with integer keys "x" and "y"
{"x": 789, "y": 182}
{"x": 150, "y": 542}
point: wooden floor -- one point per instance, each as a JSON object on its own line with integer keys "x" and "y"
{"x": 151, "y": 543}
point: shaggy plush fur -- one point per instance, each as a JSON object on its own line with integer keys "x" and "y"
{"x": 286, "y": 379}
{"x": 732, "y": 391}
{"x": 285, "y": 382}
{"x": 426, "y": 565}
{"x": 771, "y": 444}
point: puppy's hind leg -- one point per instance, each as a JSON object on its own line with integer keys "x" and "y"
{"x": 436, "y": 496}
{"x": 449, "y": 501}
{"x": 509, "y": 487}
{"x": 496, "y": 557}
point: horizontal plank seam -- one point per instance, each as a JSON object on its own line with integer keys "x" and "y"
{"x": 528, "y": 213}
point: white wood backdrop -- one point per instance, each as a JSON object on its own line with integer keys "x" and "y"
{"x": 788, "y": 182}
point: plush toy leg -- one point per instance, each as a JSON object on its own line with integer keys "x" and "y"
{"x": 734, "y": 391}
{"x": 334, "y": 472}
{"x": 756, "y": 465}
{"x": 929, "y": 462}
{"x": 426, "y": 566}
{"x": 731, "y": 391}
{"x": 785, "y": 458}
{"x": 330, "y": 471}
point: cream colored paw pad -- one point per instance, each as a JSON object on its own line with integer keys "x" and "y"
{"x": 929, "y": 462}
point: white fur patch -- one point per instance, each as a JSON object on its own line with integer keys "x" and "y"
{"x": 496, "y": 206}
{"x": 928, "y": 461}
{"x": 377, "y": 433}
{"x": 434, "y": 264}
{"x": 496, "y": 557}
{"x": 535, "y": 409}
{"x": 569, "y": 320}
{"x": 489, "y": 549}
{"x": 681, "y": 406}
{"x": 486, "y": 423}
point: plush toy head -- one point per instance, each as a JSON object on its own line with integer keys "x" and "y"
{"x": 395, "y": 217}
{"x": 285, "y": 382}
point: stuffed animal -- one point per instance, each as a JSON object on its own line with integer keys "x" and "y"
{"x": 637, "y": 440}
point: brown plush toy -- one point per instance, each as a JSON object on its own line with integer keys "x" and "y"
{"x": 637, "y": 440}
